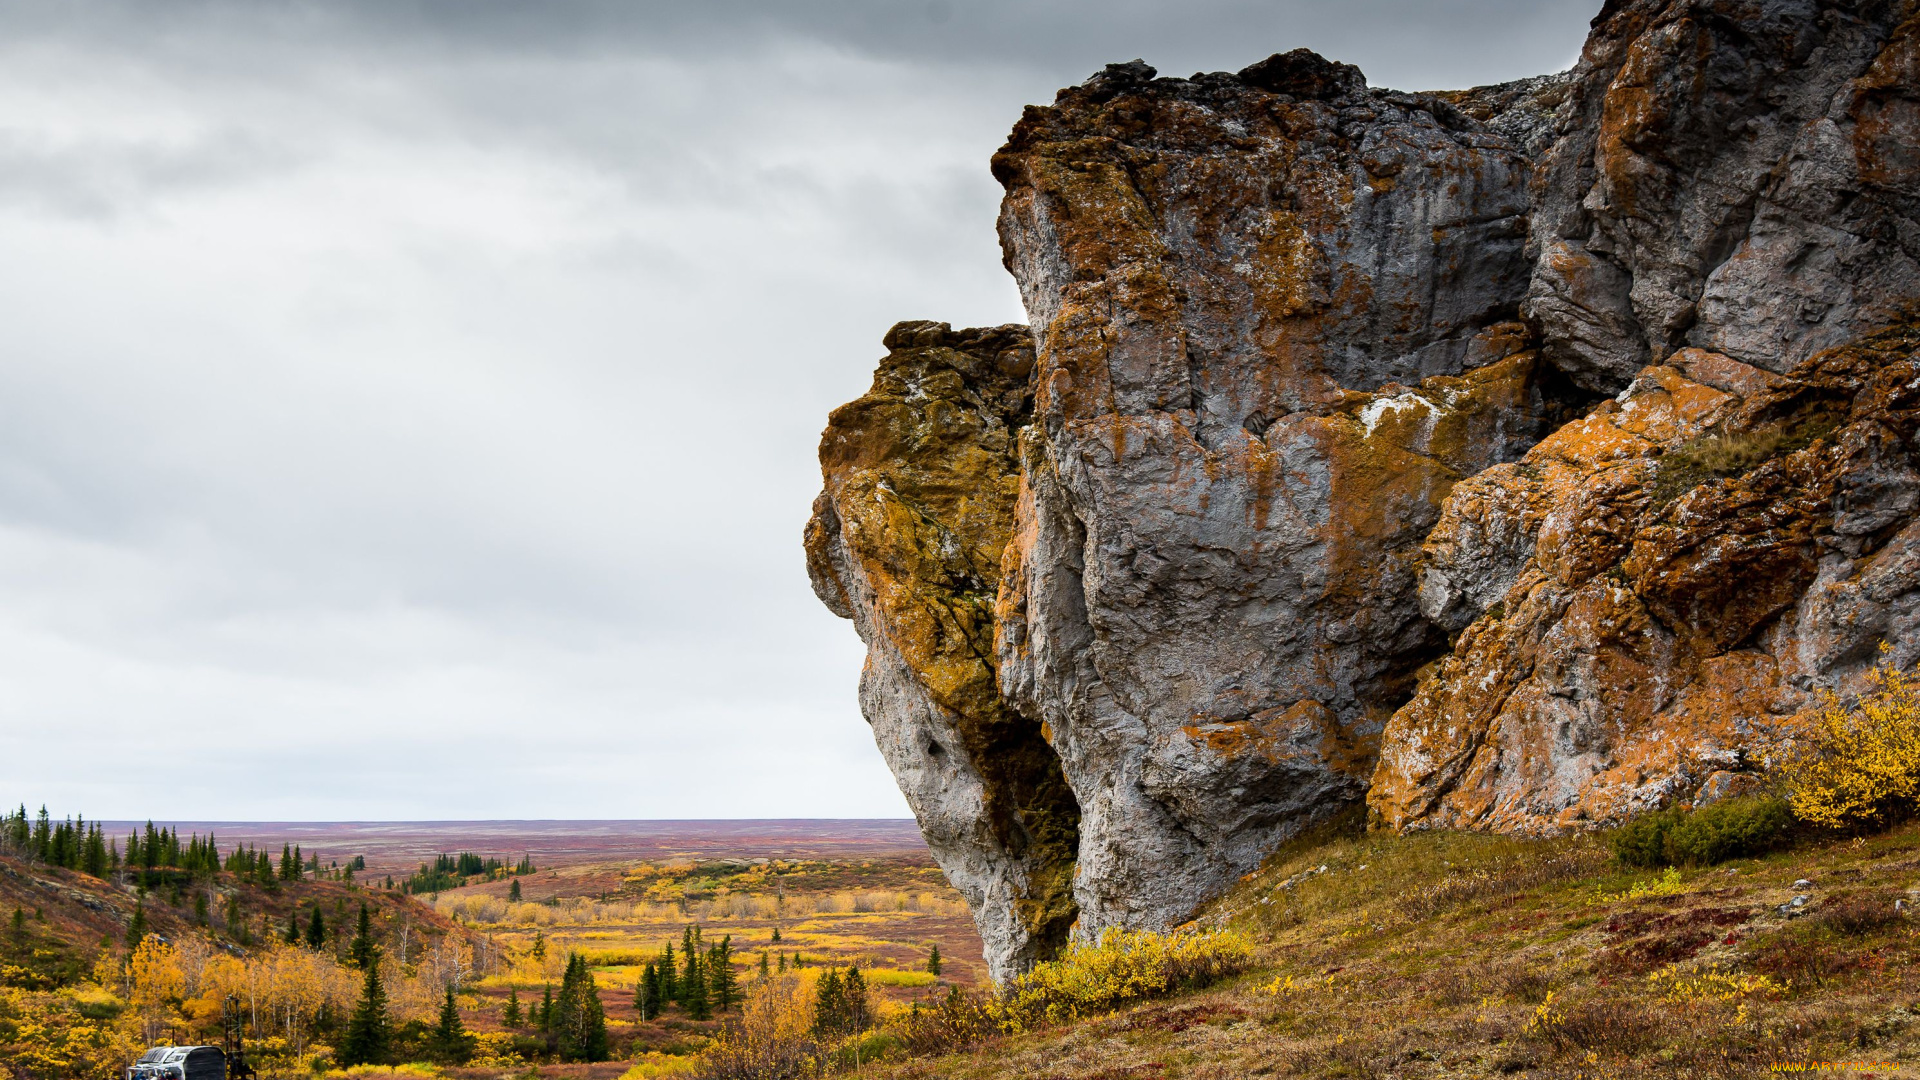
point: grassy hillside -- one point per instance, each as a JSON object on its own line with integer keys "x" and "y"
{"x": 1453, "y": 955}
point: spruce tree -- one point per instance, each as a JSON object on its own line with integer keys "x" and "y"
{"x": 450, "y": 1042}
{"x": 853, "y": 989}
{"x": 19, "y": 921}
{"x": 783, "y": 964}
{"x": 513, "y": 891}
{"x": 368, "y": 1033}
{"x": 645, "y": 1001}
{"x": 669, "y": 987}
{"x": 201, "y": 915}
{"x": 933, "y": 961}
{"x": 693, "y": 989}
{"x": 361, "y": 951}
{"x": 288, "y": 868}
{"x": 545, "y": 1020}
{"x": 689, "y": 961}
{"x": 829, "y": 1006}
{"x": 765, "y": 964}
{"x": 721, "y": 982}
{"x": 316, "y": 930}
{"x": 776, "y": 935}
{"x": 293, "y": 927}
{"x": 95, "y": 860}
{"x": 510, "y": 1016}
{"x": 580, "y": 1028}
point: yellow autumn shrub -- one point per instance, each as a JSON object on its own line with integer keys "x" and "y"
{"x": 48, "y": 1037}
{"x": 1125, "y": 966}
{"x": 1859, "y": 764}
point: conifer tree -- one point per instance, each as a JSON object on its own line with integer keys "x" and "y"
{"x": 316, "y": 930}
{"x": 288, "y": 868}
{"x": 94, "y": 861}
{"x": 513, "y": 891}
{"x": 646, "y": 995}
{"x": 361, "y": 951}
{"x": 546, "y": 1010}
{"x": 19, "y": 921}
{"x": 669, "y": 987}
{"x": 293, "y": 927}
{"x": 783, "y": 964}
{"x": 580, "y": 1028}
{"x": 829, "y": 1006}
{"x": 933, "y": 961}
{"x": 510, "y": 1016}
{"x": 693, "y": 989}
{"x": 689, "y": 960}
{"x": 765, "y": 964}
{"x": 722, "y": 984}
{"x": 368, "y": 1032}
{"x": 201, "y": 916}
{"x": 450, "y": 1042}
{"x": 853, "y": 990}
{"x": 776, "y": 935}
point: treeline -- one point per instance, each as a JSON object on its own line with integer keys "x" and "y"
{"x": 76, "y": 844}
{"x": 153, "y": 855}
{"x": 452, "y": 871}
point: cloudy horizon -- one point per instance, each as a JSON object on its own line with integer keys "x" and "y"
{"x": 407, "y": 411}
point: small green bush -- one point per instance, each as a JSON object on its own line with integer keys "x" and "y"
{"x": 1643, "y": 840}
{"x": 1729, "y": 829}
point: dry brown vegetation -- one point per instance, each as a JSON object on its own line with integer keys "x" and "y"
{"x": 1451, "y": 955}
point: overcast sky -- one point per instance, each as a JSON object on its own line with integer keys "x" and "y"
{"x": 408, "y": 410}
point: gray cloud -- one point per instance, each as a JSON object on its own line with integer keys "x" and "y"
{"x": 409, "y": 409}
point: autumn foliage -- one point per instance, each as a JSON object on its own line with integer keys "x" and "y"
{"x": 1860, "y": 764}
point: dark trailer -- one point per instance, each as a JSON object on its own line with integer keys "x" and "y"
{"x": 180, "y": 1063}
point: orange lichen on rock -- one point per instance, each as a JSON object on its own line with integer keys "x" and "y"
{"x": 1643, "y": 646}
{"x": 906, "y": 538}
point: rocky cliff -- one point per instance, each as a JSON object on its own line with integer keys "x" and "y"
{"x": 1302, "y": 489}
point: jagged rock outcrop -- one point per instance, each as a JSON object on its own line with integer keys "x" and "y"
{"x": 1269, "y": 317}
{"x": 1265, "y": 525}
{"x": 906, "y": 540}
{"x": 1648, "y": 624}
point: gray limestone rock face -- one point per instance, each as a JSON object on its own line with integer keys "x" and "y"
{"x": 1733, "y": 176}
{"x": 1270, "y": 315}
